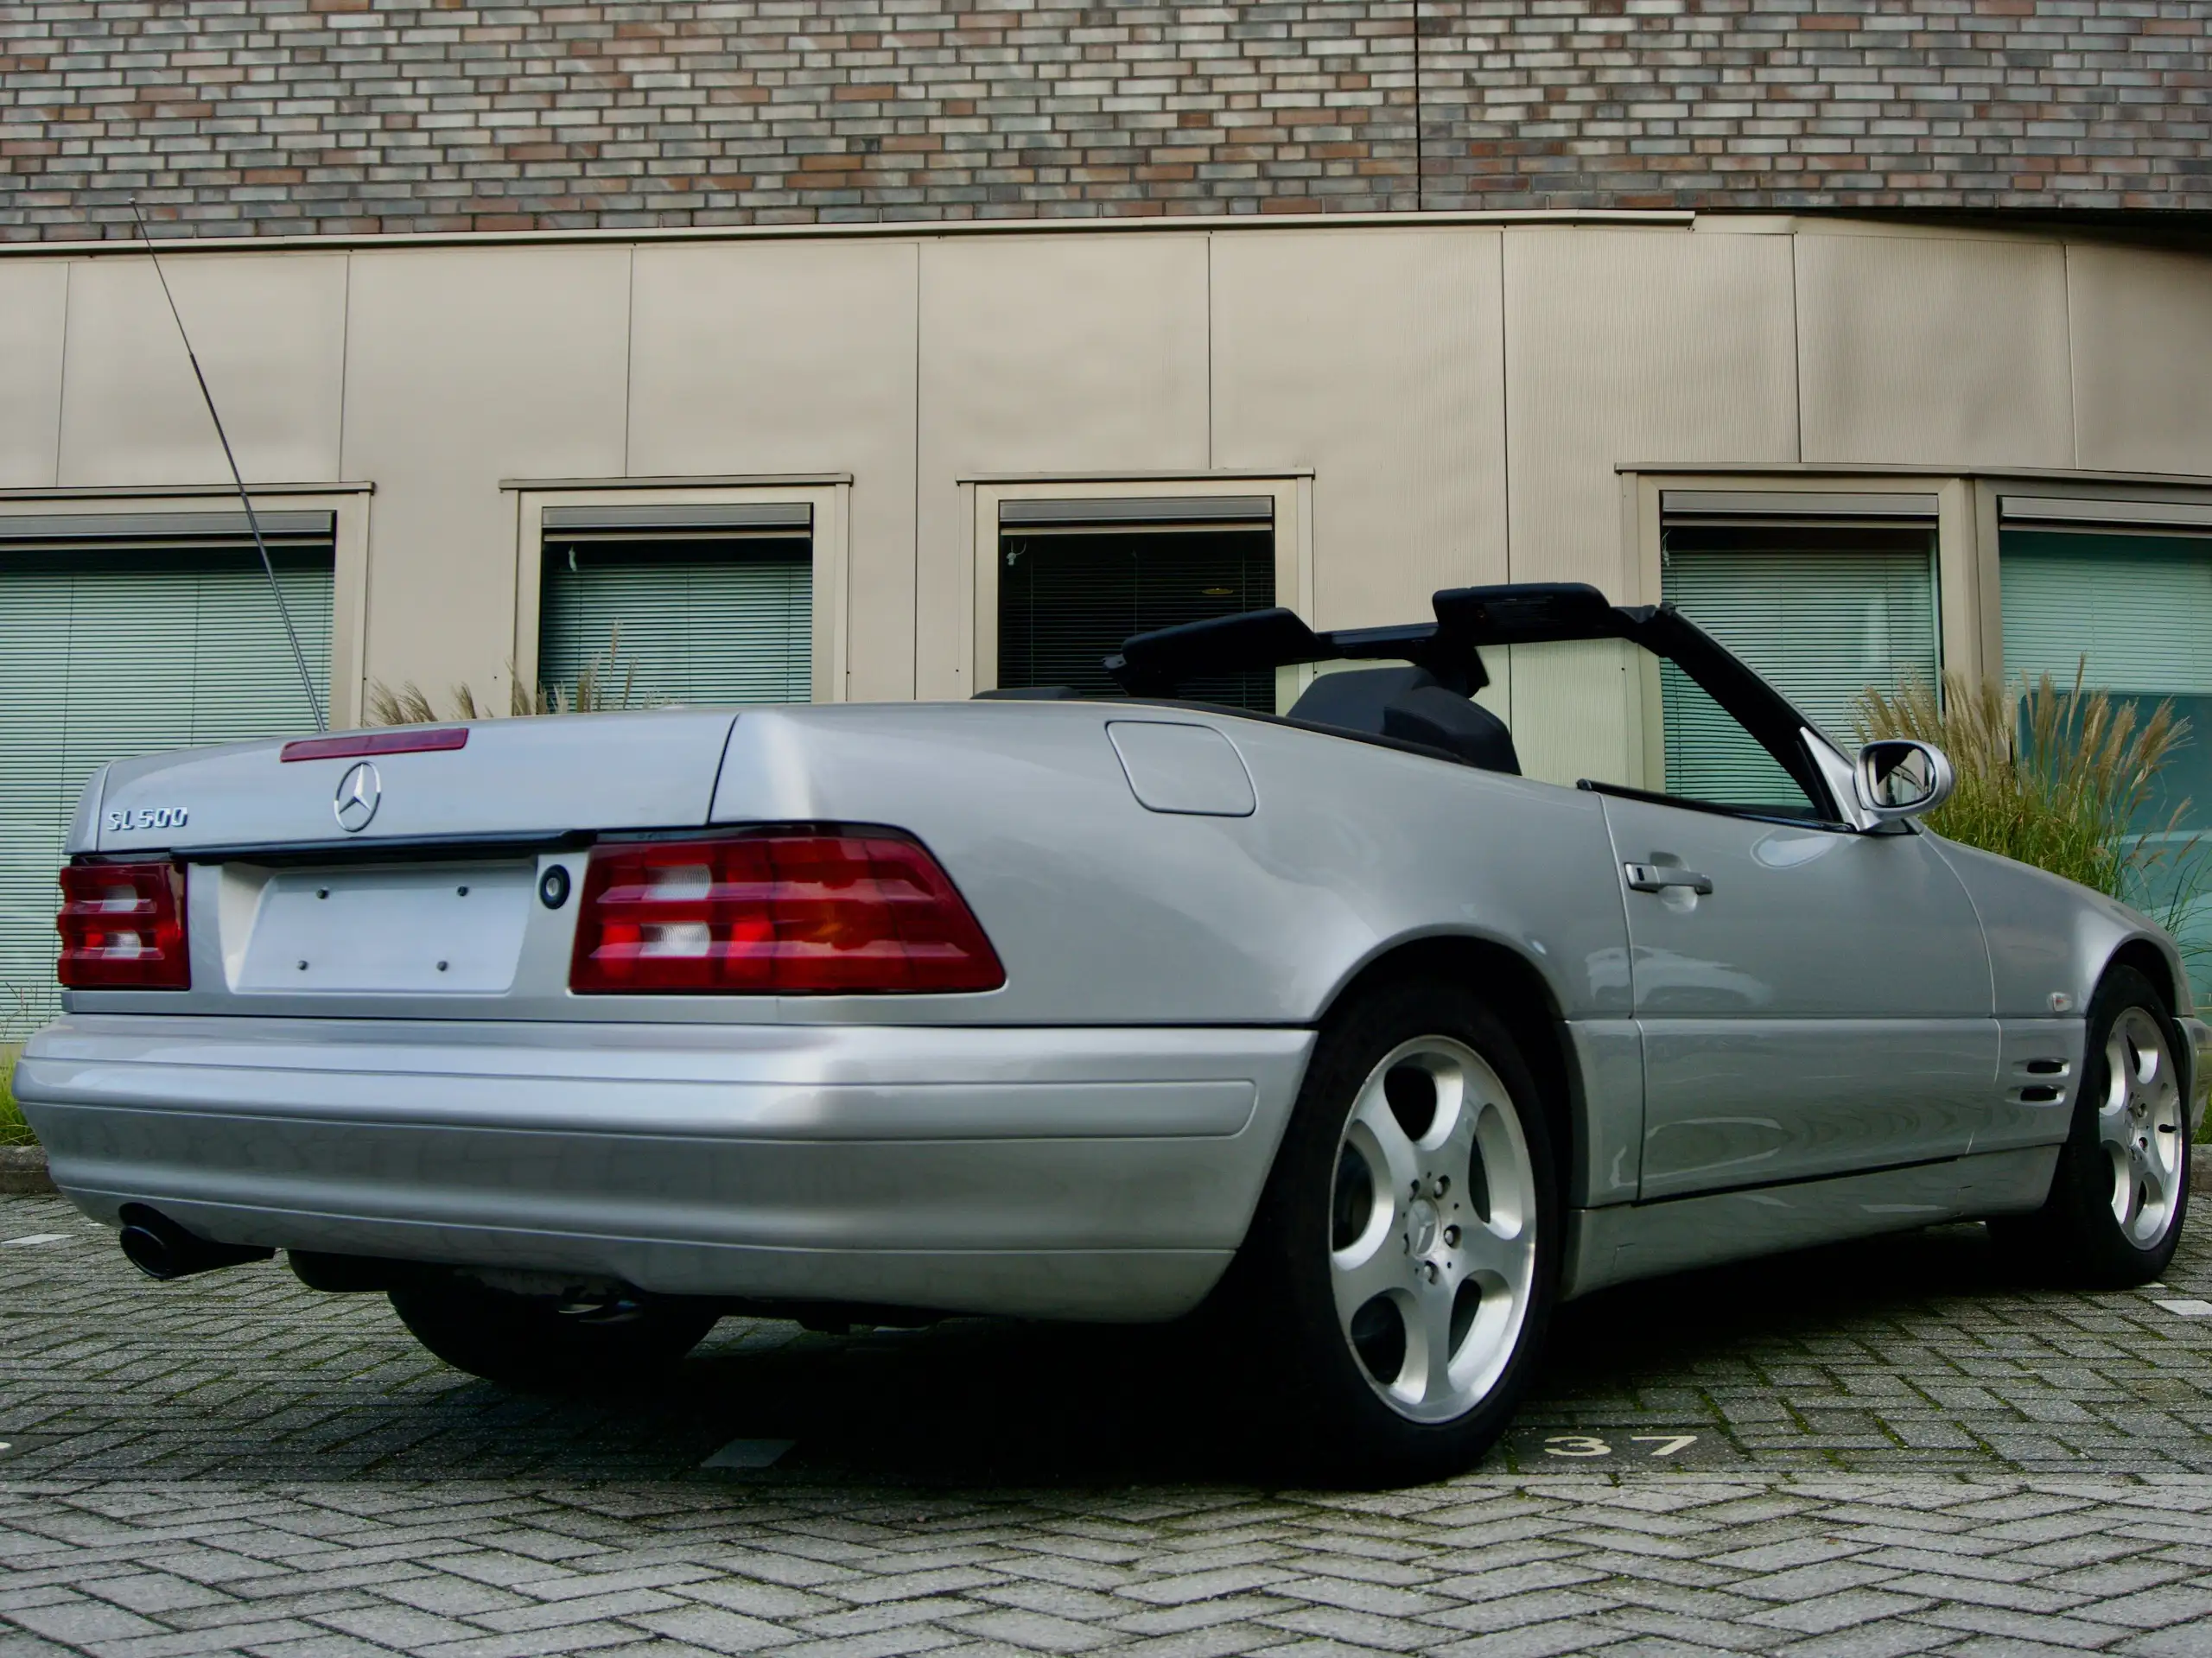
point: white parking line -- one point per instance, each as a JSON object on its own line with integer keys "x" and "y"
{"x": 748, "y": 1453}
{"x": 2188, "y": 1309}
{"x": 34, "y": 1237}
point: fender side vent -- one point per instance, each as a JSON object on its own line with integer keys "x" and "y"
{"x": 2038, "y": 1094}
{"x": 2046, "y": 1067}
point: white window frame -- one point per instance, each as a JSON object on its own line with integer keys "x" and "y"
{"x": 348, "y": 506}
{"x": 828, "y": 498}
{"x": 1291, "y": 494}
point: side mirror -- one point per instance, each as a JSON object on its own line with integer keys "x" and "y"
{"x": 1899, "y": 778}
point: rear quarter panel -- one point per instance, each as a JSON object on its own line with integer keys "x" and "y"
{"x": 1105, "y": 911}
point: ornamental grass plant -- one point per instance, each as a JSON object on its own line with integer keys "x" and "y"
{"x": 16, "y": 1023}
{"x": 599, "y": 687}
{"x": 14, "y": 1131}
{"x": 2063, "y": 778}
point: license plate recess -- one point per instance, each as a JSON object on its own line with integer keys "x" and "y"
{"x": 405, "y": 927}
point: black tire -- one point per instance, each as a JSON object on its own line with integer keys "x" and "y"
{"x": 1334, "y": 1422}
{"x": 2078, "y": 1236}
{"x": 543, "y": 1344}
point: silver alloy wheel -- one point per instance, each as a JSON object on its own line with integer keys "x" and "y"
{"x": 2138, "y": 1123}
{"x": 1433, "y": 1229}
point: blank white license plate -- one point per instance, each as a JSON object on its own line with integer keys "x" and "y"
{"x": 416, "y": 927}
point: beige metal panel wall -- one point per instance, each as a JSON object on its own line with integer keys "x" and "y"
{"x": 464, "y": 366}
{"x": 33, "y": 303}
{"x": 792, "y": 356}
{"x": 1051, "y": 354}
{"x": 269, "y": 330}
{"x": 1376, "y": 360}
{"x": 1928, "y": 349}
{"x": 1625, "y": 345}
{"x": 2142, "y": 337}
{"x": 1634, "y": 345}
{"x": 1573, "y": 711}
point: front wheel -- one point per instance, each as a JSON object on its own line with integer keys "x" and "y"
{"x": 549, "y": 1343}
{"x": 1401, "y": 1270}
{"x": 2114, "y": 1214}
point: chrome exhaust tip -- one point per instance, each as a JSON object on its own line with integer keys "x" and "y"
{"x": 162, "y": 1250}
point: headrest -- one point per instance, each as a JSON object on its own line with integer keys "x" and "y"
{"x": 1354, "y": 700}
{"x": 1408, "y": 703}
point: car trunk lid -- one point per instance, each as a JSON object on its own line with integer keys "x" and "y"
{"x": 406, "y": 877}
{"x": 524, "y": 780}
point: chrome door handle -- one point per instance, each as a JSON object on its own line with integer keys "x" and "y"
{"x": 1657, "y": 877}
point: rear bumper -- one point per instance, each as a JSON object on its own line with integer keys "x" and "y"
{"x": 1069, "y": 1172}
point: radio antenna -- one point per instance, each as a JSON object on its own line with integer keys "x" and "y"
{"x": 253, "y": 520}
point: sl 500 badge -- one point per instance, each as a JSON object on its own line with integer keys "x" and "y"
{"x": 148, "y": 817}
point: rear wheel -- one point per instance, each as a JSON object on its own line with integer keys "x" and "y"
{"x": 1401, "y": 1270}
{"x": 2114, "y": 1214}
{"x": 549, "y": 1343}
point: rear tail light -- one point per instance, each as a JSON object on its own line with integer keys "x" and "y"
{"x": 780, "y": 914}
{"x": 122, "y": 927}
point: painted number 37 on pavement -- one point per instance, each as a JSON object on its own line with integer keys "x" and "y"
{"x": 1589, "y": 1444}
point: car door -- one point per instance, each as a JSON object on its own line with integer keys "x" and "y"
{"x": 1813, "y": 1000}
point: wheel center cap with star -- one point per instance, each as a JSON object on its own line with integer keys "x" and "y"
{"x": 1421, "y": 1226}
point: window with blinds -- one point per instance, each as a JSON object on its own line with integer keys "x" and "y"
{"x": 131, "y": 634}
{"x": 2133, "y": 613}
{"x": 1823, "y": 612}
{"x": 705, "y": 606}
{"x": 1077, "y": 578}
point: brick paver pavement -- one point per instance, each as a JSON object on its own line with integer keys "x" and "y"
{"x": 1885, "y": 1449}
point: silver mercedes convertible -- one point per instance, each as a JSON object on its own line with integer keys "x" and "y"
{"x": 572, "y": 1035}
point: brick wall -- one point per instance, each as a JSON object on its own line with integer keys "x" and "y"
{"x": 289, "y": 116}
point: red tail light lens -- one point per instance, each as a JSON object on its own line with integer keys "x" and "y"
{"x": 776, "y": 914}
{"x": 123, "y": 927}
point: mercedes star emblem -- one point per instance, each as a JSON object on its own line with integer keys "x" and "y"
{"x": 359, "y": 792}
